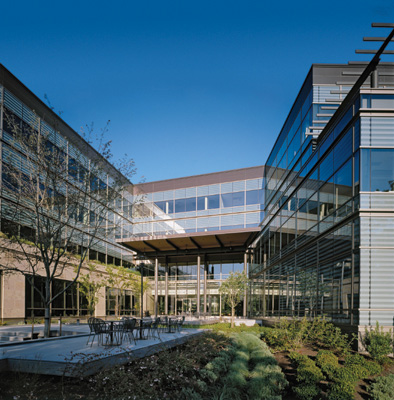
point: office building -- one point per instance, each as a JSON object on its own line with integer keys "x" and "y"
{"x": 313, "y": 228}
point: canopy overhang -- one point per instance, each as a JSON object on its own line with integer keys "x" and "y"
{"x": 192, "y": 244}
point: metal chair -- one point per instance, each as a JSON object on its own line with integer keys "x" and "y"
{"x": 97, "y": 328}
{"x": 163, "y": 325}
{"x": 154, "y": 329}
{"x": 180, "y": 323}
{"x": 130, "y": 325}
{"x": 145, "y": 325}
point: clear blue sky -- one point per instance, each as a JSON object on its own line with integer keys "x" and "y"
{"x": 190, "y": 87}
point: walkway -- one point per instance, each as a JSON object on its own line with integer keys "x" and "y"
{"x": 70, "y": 356}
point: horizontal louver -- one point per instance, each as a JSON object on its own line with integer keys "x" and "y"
{"x": 12, "y": 103}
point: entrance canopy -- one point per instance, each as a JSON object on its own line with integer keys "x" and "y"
{"x": 185, "y": 245}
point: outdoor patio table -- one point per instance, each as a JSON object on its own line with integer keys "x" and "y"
{"x": 112, "y": 331}
{"x": 171, "y": 323}
{"x": 143, "y": 324}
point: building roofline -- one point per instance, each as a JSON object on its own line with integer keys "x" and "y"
{"x": 26, "y": 96}
{"x": 202, "y": 179}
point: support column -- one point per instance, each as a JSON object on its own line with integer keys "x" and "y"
{"x": 245, "y": 292}
{"x": 156, "y": 286}
{"x": 166, "y": 290}
{"x": 375, "y": 79}
{"x": 198, "y": 290}
{"x": 205, "y": 285}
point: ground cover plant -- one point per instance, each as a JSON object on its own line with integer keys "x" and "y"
{"x": 382, "y": 388}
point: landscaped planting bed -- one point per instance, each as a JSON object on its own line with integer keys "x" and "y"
{"x": 160, "y": 376}
{"x": 312, "y": 360}
{"x": 318, "y": 361}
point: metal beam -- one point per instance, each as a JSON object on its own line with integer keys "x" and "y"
{"x": 195, "y": 243}
{"x": 195, "y": 252}
{"x": 250, "y": 240}
{"x": 172, "y": 244}
{"x": 375, "y": 39}
{"x": 219, "y": 241}
{"x": 374, "y": 52}
{"x": 150, "y": 245}
{"x": 382, "y": 25}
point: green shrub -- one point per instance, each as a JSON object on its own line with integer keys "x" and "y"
{"x": 328, "y": 362}
{"x": 323, "y": 333}
{"x": 378, "y": 343}
{"x": 276, "y": 339}
{"x": 382, "y": 388}
{"x": 306, "y": 392}
{"x": 208, "y": 375}
{"x": 297, "y": 358}
{"x": 309, "y": 373}
{"x": 291, "y": 334}
{"x": 308, "y": 376}
{"x": 350, "y": 374}
{"x": 363, "y": 367}
{"x": 341, "y": 391}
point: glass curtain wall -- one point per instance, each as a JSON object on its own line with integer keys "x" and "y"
{"x": 182, "y": 288}
{"x": 306, "y": 261}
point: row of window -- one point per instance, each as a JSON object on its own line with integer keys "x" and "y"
{"x": 211, "y": 202}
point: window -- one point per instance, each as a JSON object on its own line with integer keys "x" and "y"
{"x": 382, "y": 170}
{"x": 233, "y": 199}
{"x": 190, "y": 204}
{"x": 202, "y": 203}
{"x": 343, "y": 184}
{"x": 180, "y": 205}
{"x": 213, "y": 201}
{"x": 343, "y": 149}
{"x": 254, "y": 197}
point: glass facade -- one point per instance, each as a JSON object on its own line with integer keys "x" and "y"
{"x": 324, "y": 247}
{"x": 191, "y": 208}
{"x": 106, "y": 249}
{"x": 205, "y": 208}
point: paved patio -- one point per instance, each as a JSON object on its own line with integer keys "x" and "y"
{"x": 70, "y": 356}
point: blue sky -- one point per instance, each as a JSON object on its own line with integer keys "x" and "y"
{"x": 190, "y": 87}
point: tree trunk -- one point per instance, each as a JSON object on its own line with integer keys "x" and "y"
{"x": 232, "y": 316}
{"x": 47, "y": 326}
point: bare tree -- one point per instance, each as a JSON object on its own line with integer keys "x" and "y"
{"x": 63, "y": 198}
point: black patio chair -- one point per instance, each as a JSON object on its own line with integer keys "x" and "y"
{"x": 97, "y": 328}
{"x": 145, "y": 325}
{"x": 154, "y": 329}
{"x": 163, "y": 324}
{"x": 180, "y": 323}
{"x": 130, "y": 325}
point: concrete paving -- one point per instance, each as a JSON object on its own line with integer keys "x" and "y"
{"x": 71, "y": 356}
